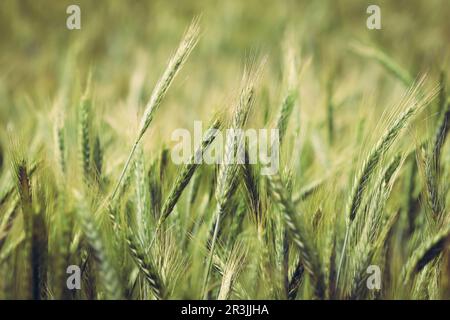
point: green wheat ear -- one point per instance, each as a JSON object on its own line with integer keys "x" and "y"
{"x": 84, "y": 131}
{"x": 187, "y": 171}
{"x": 146, "y": 267}
{"x": 226, "y": 179}
{"x": 97, "y": 157}
{"x": 23, "y": 186}
{"x": 433, "y": 163}
{"x": 187, "y": 44}
{"x": 427, "y": 252}
{"x": 60, "y": 141}
{"x": 106, "y": 269}
{"x": 287, "y": 106}
{"x": 310, "y": 259}
{"x": 142, "y": 193}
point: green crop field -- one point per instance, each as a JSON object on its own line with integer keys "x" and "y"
{"x": 94, "y": 100}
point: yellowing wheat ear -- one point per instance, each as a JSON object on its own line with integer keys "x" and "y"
{"x": 175, "y": 63}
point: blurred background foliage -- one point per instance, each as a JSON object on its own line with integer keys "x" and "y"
{"x": 117, "y": 36}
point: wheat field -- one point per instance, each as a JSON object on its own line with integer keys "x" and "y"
{"x": 358, "y": 207}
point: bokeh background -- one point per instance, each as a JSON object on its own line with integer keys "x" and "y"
{"x": 121, "y": 38}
